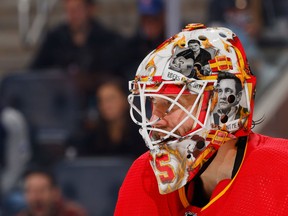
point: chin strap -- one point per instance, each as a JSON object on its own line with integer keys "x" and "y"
{"x": 218, "y": 137}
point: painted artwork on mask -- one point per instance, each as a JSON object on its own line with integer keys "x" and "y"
{"x": 230, "y": 110}
{"x": 200, "y": 92}
{"x": 192, "y": 61}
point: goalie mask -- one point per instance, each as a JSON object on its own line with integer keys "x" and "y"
{"x": 190, "y": 95}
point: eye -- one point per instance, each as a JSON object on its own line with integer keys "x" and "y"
{"x": 168, "y": 103}
{"x": 152, "y": 100}
{"x": 228, "y": 90}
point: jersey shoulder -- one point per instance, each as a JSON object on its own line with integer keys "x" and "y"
{"x": 275, "y": 147}
{"x": 139, "y": 193}
{"x": 267, "y": 157}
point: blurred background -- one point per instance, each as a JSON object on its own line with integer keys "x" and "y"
{"x": 64, "y": 67}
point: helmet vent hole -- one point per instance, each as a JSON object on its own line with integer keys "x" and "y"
{"x": 200, "y": 145}
{"x": 224, "y": 119}
{"x": 202, "y": 37}
{"x": 231, "y": 99}
{"x": 222, "y": 35}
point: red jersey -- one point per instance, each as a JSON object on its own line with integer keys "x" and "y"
{"x": 260, "y": 186}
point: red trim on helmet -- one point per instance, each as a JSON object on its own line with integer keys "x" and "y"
{"x": 237, "y": 43}
{"x": 246, "y": 130}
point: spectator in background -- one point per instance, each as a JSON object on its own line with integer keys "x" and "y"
{"x": 82, "y": 48}
{"x": 44, "y": 198}
{"x": 112, "y": 132}
{"x": 80, "y": 44}
{"x": 150, "y": 33}
{"x": 240, "y": 17}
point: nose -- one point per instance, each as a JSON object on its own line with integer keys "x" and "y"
{"x": 159, "y": 112}
{"x": 154, "y": 118}
{"x": 222, "y": 95}
{"x": 158, "y": 122}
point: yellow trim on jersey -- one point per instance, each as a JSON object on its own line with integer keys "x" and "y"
{"x": 228, "y": 186}
{"x": 183, "y": 197}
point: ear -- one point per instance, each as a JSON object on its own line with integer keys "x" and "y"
{"x": 238, "y": 96}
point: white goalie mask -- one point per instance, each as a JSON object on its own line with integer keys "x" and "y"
{"x": 190, "y": 95}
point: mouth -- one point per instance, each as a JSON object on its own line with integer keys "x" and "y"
{"x": 167, "y": 140}
{"x": 223, "y": 103}
{"x": 157, "y": 135}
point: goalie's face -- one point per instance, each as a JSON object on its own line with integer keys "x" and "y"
{"x": 164, "y": 117}
{"x": 167, "y": 117}
{"x": 166, "y": 129}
